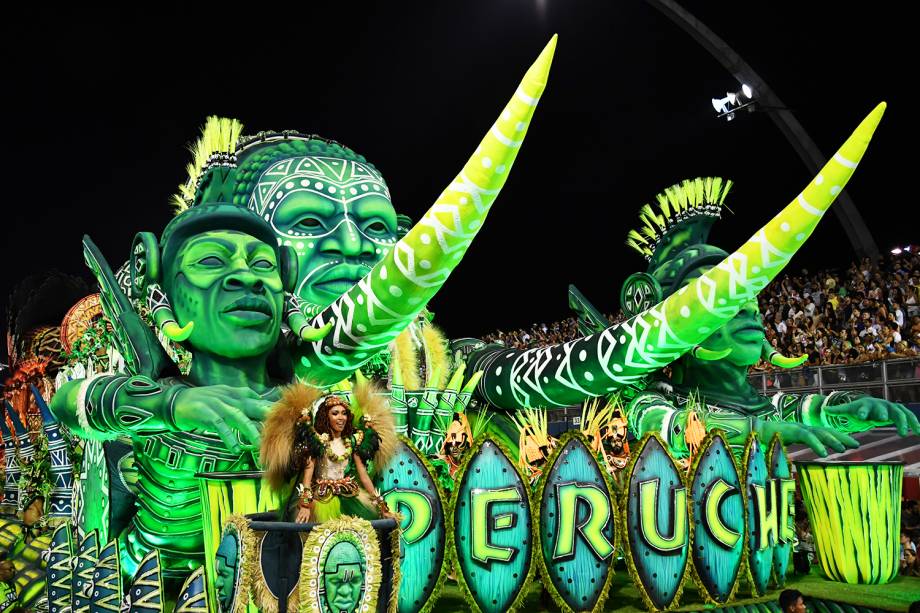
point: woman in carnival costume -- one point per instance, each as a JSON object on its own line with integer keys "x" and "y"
{"x": 332, "y": 444}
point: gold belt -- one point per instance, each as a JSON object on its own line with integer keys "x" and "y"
{"x": 324, "y": 489}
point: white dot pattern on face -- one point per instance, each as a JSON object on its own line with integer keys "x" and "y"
{"x": 341, "y": 179}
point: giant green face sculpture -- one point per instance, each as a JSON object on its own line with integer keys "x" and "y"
{"x": 743, "y": 334}
{"x": 229, "y": 284}
{"x": 337, "y": 216}
{"x": 343, "y": 578}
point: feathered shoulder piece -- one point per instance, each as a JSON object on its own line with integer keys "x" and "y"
{"x": 289, "y": 436}
{"x": 287, "y": 430}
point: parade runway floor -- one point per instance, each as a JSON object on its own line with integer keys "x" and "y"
{"x": 624, "y": 596}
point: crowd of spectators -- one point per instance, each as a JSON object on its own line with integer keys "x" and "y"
{"x": 870, "y": 311}
{"x": 909, "y": 562}
{"x": 540, "y": 335}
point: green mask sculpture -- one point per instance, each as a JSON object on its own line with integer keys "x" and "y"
{"x": 222, "y": 278}
{"x": 226, "y": 570}
{"x": 343, "y": 578}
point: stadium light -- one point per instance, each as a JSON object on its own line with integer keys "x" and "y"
{"x": 897, "y": 251}
{"x": 734, "y": 101}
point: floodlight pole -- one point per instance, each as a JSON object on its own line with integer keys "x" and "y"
{"x": 853, "y": 224}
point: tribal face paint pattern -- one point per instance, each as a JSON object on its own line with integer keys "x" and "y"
{"x": 621, "y": 355}
{"x": 337, "y": 216}
{"x": 369, "y": 315}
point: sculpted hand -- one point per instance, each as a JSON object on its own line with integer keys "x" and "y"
{"x": 868, "y": 412}
{"x": 819, "y": 439}
{"x": 223, "y": 410}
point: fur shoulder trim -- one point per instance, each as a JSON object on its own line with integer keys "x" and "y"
{"x": 279, "y": 433}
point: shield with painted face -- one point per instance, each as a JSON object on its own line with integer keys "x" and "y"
{"x": 230, "y": 561}
{"x": 342, "y": 571}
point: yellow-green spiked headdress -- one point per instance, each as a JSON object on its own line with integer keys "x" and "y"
{"x": 672, "y": 237}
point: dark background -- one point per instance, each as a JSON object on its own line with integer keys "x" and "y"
{"x": 102, "y": 106}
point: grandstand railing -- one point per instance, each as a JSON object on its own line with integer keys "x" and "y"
{"x": 896, "y": 380}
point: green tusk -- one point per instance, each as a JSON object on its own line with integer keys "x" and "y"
{"x": 778, "y": 359}
{"x": 710, "y": 355}
{"x": 314, "y": 334}
{"x": 177, "y": 334}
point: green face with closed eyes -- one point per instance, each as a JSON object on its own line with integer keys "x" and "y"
{"x": 229, "y": 284}
{"x": 337, "y": 216}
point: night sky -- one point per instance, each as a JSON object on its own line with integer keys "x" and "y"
{"x": 99, "y": 116}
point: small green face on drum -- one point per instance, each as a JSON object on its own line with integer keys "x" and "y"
{"x": 343, "y": 578}
{"x": 225, "y": 570}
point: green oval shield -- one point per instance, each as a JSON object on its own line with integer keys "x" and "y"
{"x": 717, "y": 509}
{"x": 761, "y": 510}
{"x": 656, "y": 523}
{"x": 492, "y": 523}
{"x": 577, "y": 526}
{"x": 409, "y": 488}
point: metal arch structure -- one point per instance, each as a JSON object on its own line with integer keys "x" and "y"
{"x": 853, "y": 224}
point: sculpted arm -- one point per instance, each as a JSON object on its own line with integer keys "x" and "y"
{"x": 845, "y": 411}
{"x": 654, "y": 412}
{"x": 107, "y": 406}
{"x": 110, "y": 405}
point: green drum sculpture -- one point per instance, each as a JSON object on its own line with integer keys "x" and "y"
{"x": 855, "y": 514}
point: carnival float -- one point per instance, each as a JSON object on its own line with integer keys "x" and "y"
{"x": 254, "y": 410}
